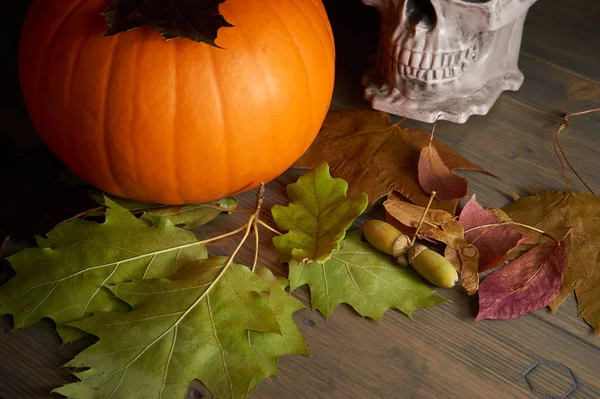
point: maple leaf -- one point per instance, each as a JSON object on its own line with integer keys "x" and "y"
{"x": 493, "y": 236}
{"x": 374, "y": 156}
{"x": 204, "y": 322}
{"x": 189, "y": 216}
{"x": 366, "y": 279}
{"x": 525, "y": 284}
{"x": 439, "y": 225}
{"x": 65, "y": 278}
{"x": 317, "y": 217}
{"x": 198, "y": 20}
{"x": 435, "y": 176}
{"x": 556, "y": 212}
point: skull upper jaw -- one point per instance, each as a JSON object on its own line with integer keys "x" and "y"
{"x": 448, "y": 70}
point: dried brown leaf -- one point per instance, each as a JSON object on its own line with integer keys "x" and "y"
{"x": 434, "y": 175}
{"x": 439, "y": 226}
{"x": 555, "y": 212}
{"x": 374, "y": 156}
{"x": 465, "y": 261}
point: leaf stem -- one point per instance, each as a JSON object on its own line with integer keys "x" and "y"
{"x": 509, "y": 223}
{"x": 414, "y": 238}
{"x": 266, "y": 226}
{"x": 557, "y": 143}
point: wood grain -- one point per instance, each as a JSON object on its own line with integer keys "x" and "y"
{"x": 440, "y": 352}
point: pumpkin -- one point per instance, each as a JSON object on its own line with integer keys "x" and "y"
{"x": 178, "y": 121}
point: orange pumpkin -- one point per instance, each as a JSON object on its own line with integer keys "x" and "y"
{"x": 178, "y": 121}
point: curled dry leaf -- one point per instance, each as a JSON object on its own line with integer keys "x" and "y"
{"x": 435, "y": 175}
{"x": 440, "y": 226}
{"x": 375, "y": 156}
{"x": 526, "y": 284}
{"x": 555, "y": 212}
{"x": 493, "y": 237}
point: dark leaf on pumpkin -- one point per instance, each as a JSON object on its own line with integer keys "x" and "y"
{"x": 525, "y": 285}
{"x": 198, "y": 20}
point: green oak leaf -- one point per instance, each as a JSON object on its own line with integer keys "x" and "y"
{"x": 189, "y": 216}
{"x": 198, "y": 20}
{"x": 65, "y": 277}
{"x": 366, "y": 279}
{"x": 269, "y": 346}
{"x": 193, "y": 325}
{"x": 317, "y": 217}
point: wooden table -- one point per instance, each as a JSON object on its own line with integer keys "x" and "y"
{"x": 441, "y": 352}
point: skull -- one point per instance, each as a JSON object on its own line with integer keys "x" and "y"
{"x": 445, "y": 59}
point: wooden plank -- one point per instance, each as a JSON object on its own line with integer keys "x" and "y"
{"x": 442, "y": 352}
{"x": 565, "y": 33}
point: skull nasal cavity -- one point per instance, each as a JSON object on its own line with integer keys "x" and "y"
{"x": 420, "y": 12}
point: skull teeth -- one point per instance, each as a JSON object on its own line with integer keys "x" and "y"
{"x": 434, "y": 66}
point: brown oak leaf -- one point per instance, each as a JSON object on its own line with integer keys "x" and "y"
{"x": 440, "y": 226}
{"x": 375, "y": 156}
{"x": 493, "y": 237}
{"x": 434, "y": 175}
{"x": 556, "y": 212}
{"x": 524, "y": 285}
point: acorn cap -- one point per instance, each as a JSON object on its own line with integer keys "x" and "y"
{"x": 414, "y": 251}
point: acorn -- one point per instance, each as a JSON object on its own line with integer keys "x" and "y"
{"x": 432, "y": 266}
{"x": 387, "y": 239}
{"x": 429, "y": 264}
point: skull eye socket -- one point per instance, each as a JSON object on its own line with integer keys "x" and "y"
{"x": 420, "y": 12}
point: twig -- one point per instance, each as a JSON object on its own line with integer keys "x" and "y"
{"x": 557, "y": 143}
{"x": 80, "y": 214}
{"x": 509, "y": 223}
{"x": 266, "y": 226}
{"x": 412, "y": 242}
{"x": 433, "y": 130}
{"x": 256, "y": 242}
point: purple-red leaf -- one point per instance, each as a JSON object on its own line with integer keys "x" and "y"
{"x": 435, "y": 175}
{"x": 526, "y": 284}
{"x": 493, "y": 238}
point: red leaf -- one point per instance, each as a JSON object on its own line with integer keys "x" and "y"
{"x": 435, "y": 175}
{"x": 493, "y": 242}
{"x": 526, "y": 284}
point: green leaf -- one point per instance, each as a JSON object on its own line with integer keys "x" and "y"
{"x": 65, "y": 278}
{"x": 198, "y": 20}
{"x": 366, "y": 279}
{"x": 188, "y": 216}
{"x": 269, "y": 346}
{"x": 317, "y": 217}
{"x": 193, "y": 325}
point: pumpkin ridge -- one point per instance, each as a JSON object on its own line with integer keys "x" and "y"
{"x": 46, "y": 51}
{"x": 102, "y": 117}
{"x": 132, "y": 121}
{"x": 175, "y": 131}
{"x": 300, "y": 55}
{"x": 221, "y": 112}
{"x": 307, "y": 18}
